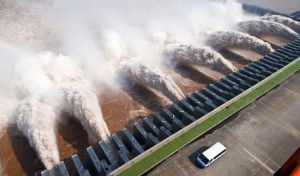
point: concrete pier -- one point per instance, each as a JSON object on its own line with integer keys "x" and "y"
{"x": 150, "y": 127}
{"x": 159, "y": 121}
{"x": 119, "y": 144}
{"x": 62, "y": 169}
{"x": 201, "y": 97}
{"x": 168, "y": 115}
{"x": 136, "y": 148}
{"x": 79, "y": 167}
{"x": 178, "y": 111}
{"x": 187, "y": 118}
{"x": 186, "y": 106}
{"x": 107, "y": 153}
{"x": 140, "y": 134}
{"x": 223, "y": 86}
{"x": 151, "y": 140}
{"x": 123, "y": 158}
{"x": 176, "y": 125}
{"x": 163, "y": 133}
{"x": 194, "y": 102}
{"x": 94, "y": 160}
{"x": 199, "y": 112}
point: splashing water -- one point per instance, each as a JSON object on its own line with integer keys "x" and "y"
{"x": 260, "y": 27}
{"x": 295, "y": 25}
{"x": 201, "y": 56}
{"x": 75, "y": 89}
{"x": 227, "y": 39}
{"x": 35, "y": 120}
{"x": 51, "y": 27}
{"x": 151, "y": 77}
{"x": 86, "y": 109}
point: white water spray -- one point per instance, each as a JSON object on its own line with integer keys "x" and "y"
{"x": 76, "y": 91}
{"x": 263, "y": 27}
{"x": 35, "y": 119}
{"x": 227, "y": 39}
{"x": 200, "y": 56}
{"x": 51, "y": 26}
{"x": 86, "y": 109}
{"x": 150, "y": 77}
{"x": 295, "y": 25}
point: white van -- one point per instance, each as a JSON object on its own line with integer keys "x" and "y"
{"x": 210, "y": 155}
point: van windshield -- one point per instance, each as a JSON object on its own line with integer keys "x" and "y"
{"x": 203, "y": 159}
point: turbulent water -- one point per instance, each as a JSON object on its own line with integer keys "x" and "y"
{"x": 295, "y": 25}
{"x": 85, "y": 106}
{"x": 104, "y": 30}
{"x": 260, "y": 27}
{"x": 227, "y": 39}
{"x": 151, "y": 77}
{"x": 201, "y": 56}
{"x": 36, "y": 121}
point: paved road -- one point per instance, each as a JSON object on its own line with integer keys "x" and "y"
{"x": 259, "y": 138}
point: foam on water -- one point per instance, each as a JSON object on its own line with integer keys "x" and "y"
{"x": 261, "y": 27}
{"x": 85, "y": 106}
{"x": 201, "y": 56}
{"x": 35, "y": 120}
{"x": 295, "y": 25}
{"x": 150, "y": 77}
{"x": 227, "y": 39}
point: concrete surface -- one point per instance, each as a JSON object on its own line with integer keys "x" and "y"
{"x": 282, "y": 6}
{"x": 260, "y": 138}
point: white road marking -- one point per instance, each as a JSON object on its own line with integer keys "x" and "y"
{"x": 259, "y": 161}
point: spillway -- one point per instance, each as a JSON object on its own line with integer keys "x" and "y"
{"x": 151, "y": 77}
{"x": 263, "y": 27}
{"x": 201, "y": 56}
{"x": 295, "y": 25}
{"x": 36, "y": 121}
{"x": 162, "y": 124}
{"x": 227, "y": 39}
{"x": 85, "y": 106}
